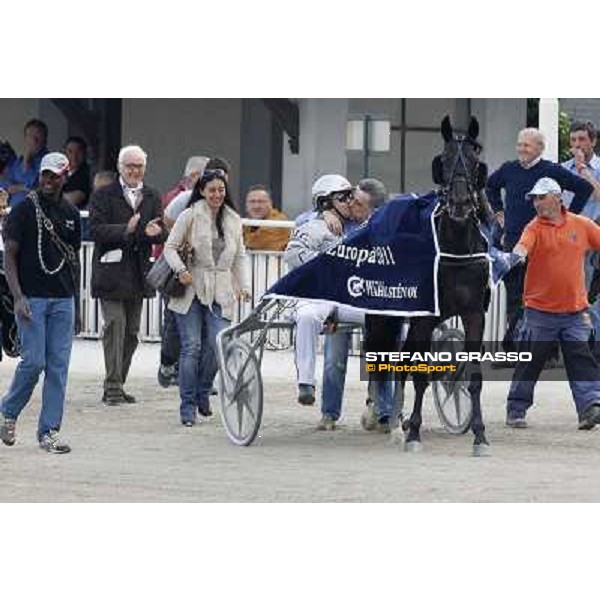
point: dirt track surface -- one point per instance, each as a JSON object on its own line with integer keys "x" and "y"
{"x": 140, "y": 453}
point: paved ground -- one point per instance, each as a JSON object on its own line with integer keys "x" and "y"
{"x": 141, "y": 453}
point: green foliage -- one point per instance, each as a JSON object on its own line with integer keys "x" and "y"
{"x": 564, "y": 123}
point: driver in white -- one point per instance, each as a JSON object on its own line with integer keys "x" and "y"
{"x": 330, "y": 193}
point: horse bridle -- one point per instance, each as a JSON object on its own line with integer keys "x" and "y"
{"x": 446, "y": 189}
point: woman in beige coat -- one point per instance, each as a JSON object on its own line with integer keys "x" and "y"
{"x": 215, "y": 276}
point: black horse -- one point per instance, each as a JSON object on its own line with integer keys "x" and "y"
{"x": 463, "y": 277}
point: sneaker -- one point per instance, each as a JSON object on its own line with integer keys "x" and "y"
{"x": 52, "y": 444}
{"x": 7, "y": 431}
{"x": 327, "y": 423}
{"x": 306, "y": 394}
{"x": 165, "y": 375}
{"x": 188, "y": 423}
{"x": 589, "y": 418}
{"x": 516, "y": 422}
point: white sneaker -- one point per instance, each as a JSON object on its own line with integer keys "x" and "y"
{"x": 52, "y": 444}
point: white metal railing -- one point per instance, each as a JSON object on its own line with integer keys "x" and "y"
{"x": 266, "y": 269}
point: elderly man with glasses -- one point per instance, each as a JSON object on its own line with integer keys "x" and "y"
{"x": 125, "y": 221}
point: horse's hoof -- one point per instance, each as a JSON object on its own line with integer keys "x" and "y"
{"x": 482, "y": 450}
{"x": 413, "y": 447}
{"x": 397, "y": 436}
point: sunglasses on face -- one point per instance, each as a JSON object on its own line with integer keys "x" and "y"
{"x": 214, "y": 172}
{"x": 345, "y": 196}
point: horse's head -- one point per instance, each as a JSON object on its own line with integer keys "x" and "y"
{"x": 460, "y": 169}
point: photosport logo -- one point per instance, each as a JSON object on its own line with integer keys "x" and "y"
{"x": 452, "y": 362}
{"x": 357, "y": 287}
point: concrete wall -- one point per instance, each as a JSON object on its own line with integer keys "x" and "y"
{"x": 582, "y": 109}
{"x": 500, "y": 120}
{"x": 171, "y": 130}
{"x": 260, "y": 149}
{"x": 14, "y": 113}
{"x": 58, "y": 126}
{"x": 322, "y": 150}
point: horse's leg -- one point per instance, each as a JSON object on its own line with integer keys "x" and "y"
{"x": 398, "y": 425}
{"x": 396, "y": 419}
{"x": 419, "y": 341}
{"x": 474, "y": 324}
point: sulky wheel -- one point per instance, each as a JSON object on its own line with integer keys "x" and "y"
{"x": 241, "y": 393}
{"x": 450, "y": 391}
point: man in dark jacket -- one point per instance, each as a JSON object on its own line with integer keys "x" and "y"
{"x": 125, "y": 220}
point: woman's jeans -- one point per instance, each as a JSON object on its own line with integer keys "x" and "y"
{"x": 198, "y": 365}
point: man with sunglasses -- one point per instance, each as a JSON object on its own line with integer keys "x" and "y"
{"x": 332, "y": 193}
{"x": 556, "y": 304}
{"x": 42, "y": 236}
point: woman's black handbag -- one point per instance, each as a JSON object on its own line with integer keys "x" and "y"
{"x": 164, "y": 280}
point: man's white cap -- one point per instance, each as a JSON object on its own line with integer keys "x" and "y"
{"x": 195, "y": 164}
{"x": 56, "y": 162}
{"x": 328, "y": 184}
{"x": 545, "y": 185}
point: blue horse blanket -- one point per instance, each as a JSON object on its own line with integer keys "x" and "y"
{"x": 387, "y": 266}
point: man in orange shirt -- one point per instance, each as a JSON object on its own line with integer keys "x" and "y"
{"x": 555, "y": 243}
{"x": 259, "y": 205}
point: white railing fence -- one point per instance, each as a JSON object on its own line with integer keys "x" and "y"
{"x": 267, "y": 268}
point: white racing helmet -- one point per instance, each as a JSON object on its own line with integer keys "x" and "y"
{"x": 327, "y": 185}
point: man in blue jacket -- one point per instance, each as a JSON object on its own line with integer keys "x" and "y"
{"x": 516, "y": 178}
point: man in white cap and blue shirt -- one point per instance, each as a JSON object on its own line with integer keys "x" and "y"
{"x": 42, "y": 237}
{"x": 555, "y": 243}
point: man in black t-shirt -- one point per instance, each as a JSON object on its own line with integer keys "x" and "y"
{"x": 42, "y": 236}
